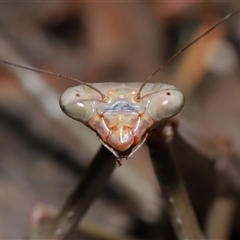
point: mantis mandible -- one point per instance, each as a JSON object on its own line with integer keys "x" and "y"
{"x": 122, "y": 114}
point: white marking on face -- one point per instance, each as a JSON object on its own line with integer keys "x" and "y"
{"x": 80, "y": 104}
{"x": 165, "y": 102}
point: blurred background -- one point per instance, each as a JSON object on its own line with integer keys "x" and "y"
{"x": 43, "y": 153}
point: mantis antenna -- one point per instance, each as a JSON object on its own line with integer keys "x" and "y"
{"x": 103, "y": 96}
{"x": 138, "y": 96}
{"x": 183, "y": 49}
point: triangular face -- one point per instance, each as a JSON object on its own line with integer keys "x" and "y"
{"x": 122, "y": 123}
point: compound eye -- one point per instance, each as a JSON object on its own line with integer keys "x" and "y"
{"x": 76, "y": 104}
{"x": 166, "y": 104}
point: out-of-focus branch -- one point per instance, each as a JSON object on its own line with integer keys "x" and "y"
{"x": 171, "y": 183}
{"x": 220, "y": 217}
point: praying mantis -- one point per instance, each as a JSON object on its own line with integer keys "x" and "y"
{"x": 123, "y": 114}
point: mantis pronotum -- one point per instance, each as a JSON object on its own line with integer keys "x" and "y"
{"x": 122, "y": 114}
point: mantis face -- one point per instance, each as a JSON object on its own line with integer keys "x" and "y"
{"x": 122, "y": 122}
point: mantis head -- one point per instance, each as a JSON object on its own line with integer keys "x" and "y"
{"x": 123, "y": 121}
